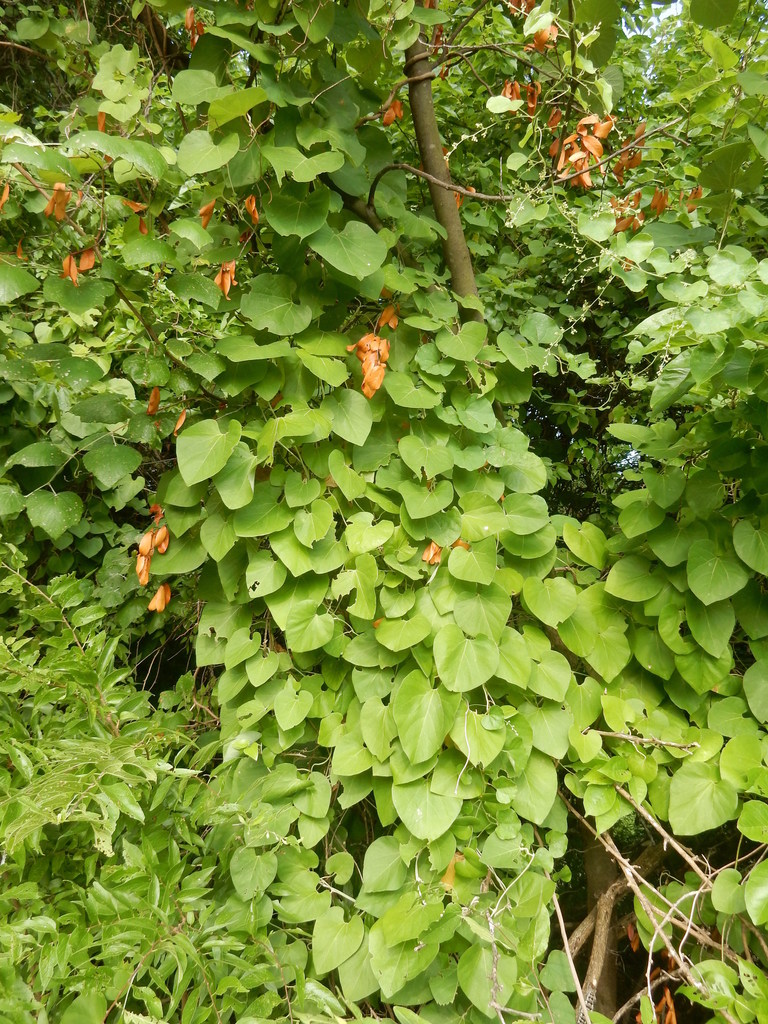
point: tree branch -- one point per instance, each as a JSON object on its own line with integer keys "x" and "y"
{"x": 437, "y": 182}
{"x": 27, "y": 49}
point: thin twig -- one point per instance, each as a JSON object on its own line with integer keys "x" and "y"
{"x": 665, "y": 976}
{"x": 472, "y": 68}
{"x": 137, "y": 314}
{"x": 463, "y": 24}
{"x": 642, "y": 741}
{"x": 497, "y": 48}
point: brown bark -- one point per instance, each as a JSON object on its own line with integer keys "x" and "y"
{"x": 455, "y": 251}
{"x": 602, "y": 874}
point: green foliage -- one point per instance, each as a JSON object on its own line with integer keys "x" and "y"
{"x": 438, "y": 587}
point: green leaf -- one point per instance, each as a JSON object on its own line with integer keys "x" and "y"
{"x": 751, "y": 546}
{"x": 551, "y": 676}
{"x": 753, "y": 821}
{"x": 478, "y": 565}
{"x": 334, "y": 940}
{"x": 756, "y": 894}
{"x": 487, "y": 978}
{"x": 710, "y": 625}
{"x": 712, "y": 575}
{"x": 357, "y": 251}
{"x": 54, "y": 513}
{"x": 464, "y": 663}
{"x": 425, "y": 814}
{"x": 480, "y": 738}
{"x": 728, "y": 896}
{"x": 88, "y": 294}
{"x": 419, "y": 716}
{"x": 101, "y": 409}
{"x": 199, "y": 154}
{"x": 401, "y": 634}
{"x": 550, "y": 600}
{"x": 631, "y": 579}
{"x": 699, "y": 800}
{"x": 536, "y": 789}
{"x": 146, "y": 158}
{"x": 183, "y": 556}
{"x": 263, "y": 515}
{"x": 252, "y": 871}
{"x": 291, "y": 706}
{"x": 465, "y": 344}
{"x": 295, "y": 211}
{"x": 87, "y": 1008}
{"x": 349, "y": 483}
{"x": 11, "y": 501}
{"x": 406, "y": 392}
{"x": 139, "y": 252}
{"x": 431, "y": 459}
{"x": 270, "y": 306}
{"x": 110, "y": 463}
{"x": 204, "y": 448}
{"x": 422, "y": 502}
{"x": 351, "y": 415}
{"x": 713, "y": 13}
{"x": 235, "y": 482}
{"x": 287, "y": 160}
{"x": 234, "y": 103}
{"x": 755, "y": 684}
{"x": 193, "y": 87}
{"x": 526, "y": 513}
{"x": 15, "y": 282}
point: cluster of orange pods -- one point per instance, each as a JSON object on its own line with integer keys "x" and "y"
{"x": 576, "y": 150}
{"x": 373, "y": 352}
{"x": 193, "y": 26}
{"x": 630, "y": 154}
{"x": 154, "y": 540}
{"x": 393, "y": 112}
{"x": 70, "y": 268}
{"x": 513, "y": 91}
{"x": 629, "y": 215}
